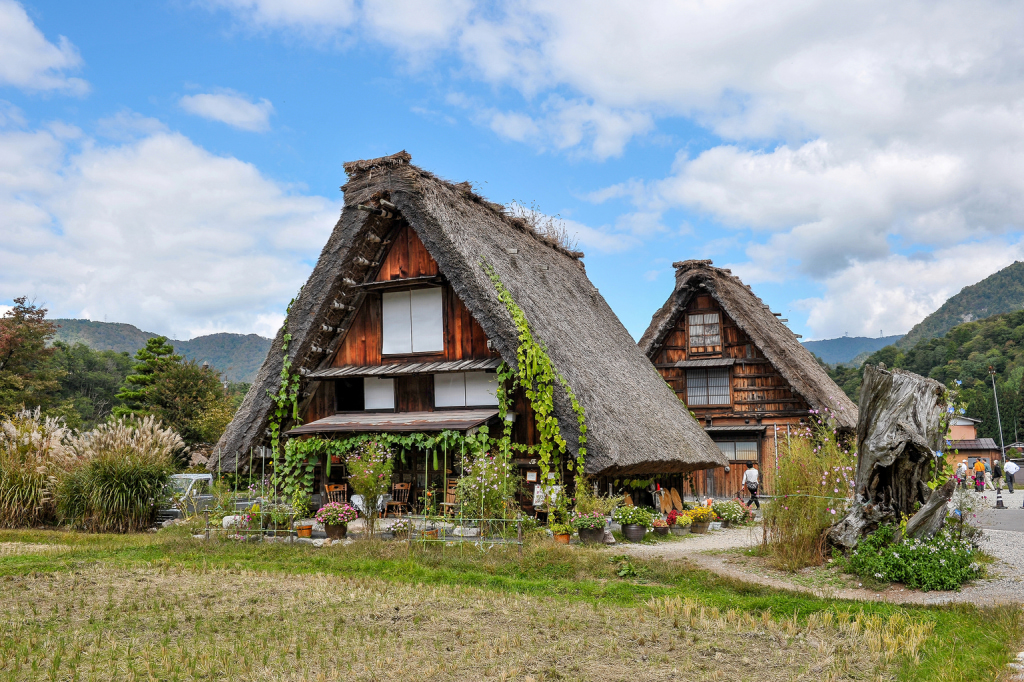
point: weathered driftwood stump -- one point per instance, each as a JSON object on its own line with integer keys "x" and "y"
{"x": 897, "y": 435}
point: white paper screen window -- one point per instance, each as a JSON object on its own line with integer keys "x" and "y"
{"x": 378, "y": 394}
{"x": 728, "y": 449}
{"x": 481, "y": 388}
{"x": 396, "y": 322}
{"x": 450, "y": 390}
{"x": 746, "y": 451}
{"x": 427, "y": 320}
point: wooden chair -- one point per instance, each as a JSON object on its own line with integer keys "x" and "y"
{"x": 448, "y": 506}
{"x": 337, "y": 492}
{"x": 399, "y": 498}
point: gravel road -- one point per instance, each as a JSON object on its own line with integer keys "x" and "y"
{"x": 1005, "y": 584}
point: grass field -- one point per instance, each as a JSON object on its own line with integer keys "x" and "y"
{"x": 166, "y": 607}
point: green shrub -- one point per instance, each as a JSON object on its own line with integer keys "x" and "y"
{"x": 33, "y": 454}
{"x": 940, "y": 563}
{"x": 123, "y": 472}
{"x": 633, "y": 515}
{"x": 812, "y": 485}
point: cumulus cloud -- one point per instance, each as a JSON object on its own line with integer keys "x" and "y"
{"x": 232, "y": 108}
{"x": 154, "y": 230}
{"x": 29, "y": 61}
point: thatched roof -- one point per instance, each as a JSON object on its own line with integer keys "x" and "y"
{"x": 773, "y": 338}
{"x": 635, "y": 422}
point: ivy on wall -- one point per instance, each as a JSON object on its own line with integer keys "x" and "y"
{"x": 537, "y": 375}
{"x": 287, "y": 471}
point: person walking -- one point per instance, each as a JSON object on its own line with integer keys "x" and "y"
{"x": 997, "y": 474}
{"x": 961, "y": 473}
{"x": 751, "y": 482}
{"x": 979, "y": 476}
{"x": 1010, "y": 468}
{"x": 988, "y": 477}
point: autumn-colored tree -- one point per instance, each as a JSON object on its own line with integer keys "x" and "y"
{"x": 27, "y": 378}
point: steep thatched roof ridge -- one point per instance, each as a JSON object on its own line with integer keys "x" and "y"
{"x": 635, "y": 423}
{"x": 776, "y": 340}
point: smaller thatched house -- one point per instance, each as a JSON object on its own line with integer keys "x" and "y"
{"x": 743, "y": 372}
{"x": 400, "y": 328}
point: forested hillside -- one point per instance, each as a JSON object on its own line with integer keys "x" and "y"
{"x": 965, "y": 353}
{"x": 237, "y": 356}
{"x": 1002, "y": 292}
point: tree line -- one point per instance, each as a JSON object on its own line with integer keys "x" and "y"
{"x": 965, "y": 353}
{"x": 86, "y": 387}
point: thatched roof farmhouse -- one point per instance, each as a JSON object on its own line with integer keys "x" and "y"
{"x": 408, "y": 238}
{"x": 738, "y": 367}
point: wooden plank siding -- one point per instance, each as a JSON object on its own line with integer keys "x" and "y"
{"x": 758, "y": 396}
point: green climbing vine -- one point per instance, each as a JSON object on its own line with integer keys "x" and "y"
{"x": 289, "y": 472}
{"x": 537, "y": 375}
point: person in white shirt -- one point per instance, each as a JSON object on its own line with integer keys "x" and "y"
{"x": 750, "y": 482}
{"x": 1010, "y": 468}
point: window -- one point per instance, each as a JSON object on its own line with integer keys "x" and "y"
{"x": 465, "y": 389}
{"x": 412, "y": 322}
{"x": 738, "y": 451}
{"x": 348, "y": 395}
{"x": 707, "y": 387}
{"x": 705, "y": 331}
{"x": 378, "y": 394}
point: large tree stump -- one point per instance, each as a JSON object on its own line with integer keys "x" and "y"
{"x": 897, "y": 435}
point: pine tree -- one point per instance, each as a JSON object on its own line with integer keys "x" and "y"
{"x": 152, "y": 360}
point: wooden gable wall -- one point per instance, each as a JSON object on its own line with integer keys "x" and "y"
{"x": 756, "y": 385}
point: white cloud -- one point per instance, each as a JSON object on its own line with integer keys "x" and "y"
{"x": 29, "y": 61}
{"x": 310, "y": 17}
{"x": 155, "y": 231}
{"x": 231, "y": 108}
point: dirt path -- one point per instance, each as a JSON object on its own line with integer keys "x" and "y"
{"x": 711, "y": 552}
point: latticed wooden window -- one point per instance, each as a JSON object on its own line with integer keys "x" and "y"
{"x": 707, "y": 387}
{"x": 705, "y": 331}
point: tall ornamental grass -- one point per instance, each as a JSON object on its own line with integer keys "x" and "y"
{"x": 124, "y": 470}
{"x": 33, "y": 456}
{"x": 814, "y": 485}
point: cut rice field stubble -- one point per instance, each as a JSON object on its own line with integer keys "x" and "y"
{"x": 169, "y": 624}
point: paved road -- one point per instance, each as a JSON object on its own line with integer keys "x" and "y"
{"x": 1011, "y": 518}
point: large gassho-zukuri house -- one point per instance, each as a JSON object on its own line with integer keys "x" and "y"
{"x": 400, "y": 329}
{"x": 741, "y": 371}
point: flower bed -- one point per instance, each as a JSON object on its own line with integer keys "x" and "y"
{"x": 943, "y": 562}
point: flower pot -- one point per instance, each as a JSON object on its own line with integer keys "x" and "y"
{"x": 304, "y": 531}
{"x": 563, "y": 538}
{"x": 591, "y": 536}
{"x": 633, "y": 532}
{"x": 726, "y": 523}
{"x": 661, "y": 530}
{"x": 336, "y": 531}
{"x": 680, "y": 530}
{"x": 698, "y": 527}
{"x": 716, "y": 525}
{"x": 335, "y": 459}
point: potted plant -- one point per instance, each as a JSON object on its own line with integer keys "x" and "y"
{"x": 679, "y": 524}
{"x": 590, "y": 526}
{"x": 401, "y": 528}
{"x": 660, "y": 527}
{"x": 336, "y": 516}
{"x": 701, "y": 518}
{"x": 300, "y": 505}
{"x": 562, "y": 532}
{"x": 635, "y": 521}
{"x": 730, "y": 512}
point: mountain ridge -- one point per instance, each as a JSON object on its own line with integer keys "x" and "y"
{"x": 237, "y": 356}
{"x": 846, "y": 349}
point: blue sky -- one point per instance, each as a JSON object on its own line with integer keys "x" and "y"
{"x": 176, "y": 165}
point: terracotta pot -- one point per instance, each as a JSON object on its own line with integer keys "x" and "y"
{"x": 697, "y": 527}
{"x": 563, "y": 538}
{"x": 661, "y": 530}
{"x": 304, "y": 531}
{"x": 336, "y": 532}
{"x": 591, "y": 536}
{"x": 335, "y": 459}
{"x": 633, "y": 532}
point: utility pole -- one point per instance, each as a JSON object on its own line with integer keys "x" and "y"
{"x": 999, "y": 421}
